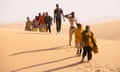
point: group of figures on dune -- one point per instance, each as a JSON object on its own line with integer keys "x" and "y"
{"x": 84, "y": 38}
{"x": 41, "y": 23}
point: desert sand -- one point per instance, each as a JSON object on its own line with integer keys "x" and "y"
{"x": 24, "y": 51}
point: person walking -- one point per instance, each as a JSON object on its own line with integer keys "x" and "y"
{"x": 88, "y": 42}
{"x": 48, "y": 22}
{"x": 78, "y": 39}
{"x": 72, "y": 20}
{"x": 58, "y": 12}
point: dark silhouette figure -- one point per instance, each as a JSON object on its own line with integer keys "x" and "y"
{"x": 88, "y": 44}
{"x": 48, "y": 22}
{"x": 58, "y": 12}
{"x": 28, "y": 24}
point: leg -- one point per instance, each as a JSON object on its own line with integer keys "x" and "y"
{"x": 71, "y": 31}
{"x": 80, "y": 51}
{"x": 40, "y": 27}
{"x": 49, "y": 28}
{"x": 70, "y": 37}
{"x": 84, "y": 53}
{"x": 57, "y": 25}
{"x": 46, "y": 27}
{"x": 89, "y": 53}
{"x": 25, "y": 28}
{"x": 77, "y": 46}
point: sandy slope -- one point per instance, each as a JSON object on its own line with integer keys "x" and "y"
{"x": 107, "y": 30}
{"x": 22, "y": 51}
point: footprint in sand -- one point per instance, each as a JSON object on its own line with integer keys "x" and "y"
{"x": 78, "y": 68}
{"x": 88, "y": 66}
{"x": 97, "y": 68}
{"x": 68, "y": 50}
{"x": 118, "y": 69}
{"x": 112, "y": 70}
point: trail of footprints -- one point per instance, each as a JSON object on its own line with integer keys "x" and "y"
{"x": 97, "y": 68}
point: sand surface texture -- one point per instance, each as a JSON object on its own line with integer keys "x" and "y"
{"x": 22, "y": 51}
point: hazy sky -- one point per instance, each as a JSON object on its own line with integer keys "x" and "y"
{"x": 86, "y": 10}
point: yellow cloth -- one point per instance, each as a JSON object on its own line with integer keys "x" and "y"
{"x": 35, "y": 29}
{"x": 78, "y": 35}
{"x": 87, "y": 39}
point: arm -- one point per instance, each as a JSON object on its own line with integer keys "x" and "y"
{"x": 50, "y": 20}
{"x": 94, "y": 40}
{"x": 54, "y": 16}
{"x": 62, "y": 15}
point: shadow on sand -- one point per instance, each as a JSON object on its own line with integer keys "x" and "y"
{"x": 35, "y": 33}
{"x": 63, "y": 67}
{"x": 54, "y": 48}
{"x": 27, "y": 67}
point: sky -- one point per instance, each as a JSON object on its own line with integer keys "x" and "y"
{"x": 86, "y": 10}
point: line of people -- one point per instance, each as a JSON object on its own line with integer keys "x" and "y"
{"x": 84, "y": 38}
{"x": 41, "y": 23}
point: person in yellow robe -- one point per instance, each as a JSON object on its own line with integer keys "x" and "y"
{"x": 88, "y": 43}
{"x": 78, "y": 39}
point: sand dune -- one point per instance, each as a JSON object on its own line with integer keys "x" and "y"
{"x": 107, "y": 30}
{"x": 43, "y": 52}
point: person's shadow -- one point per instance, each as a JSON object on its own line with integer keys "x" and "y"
{"x": 31, "y": 66}
{"x": 33, "y": 51}
{"x": 63, "y": 67}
